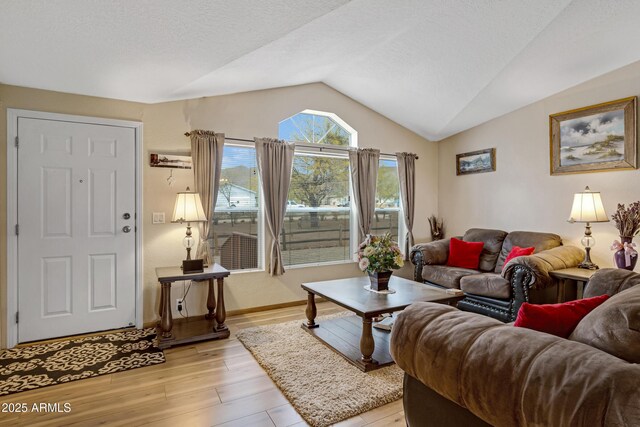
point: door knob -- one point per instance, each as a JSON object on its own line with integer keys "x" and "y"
{"x": 126, "y": 215}
{"x": 126, "y": 229}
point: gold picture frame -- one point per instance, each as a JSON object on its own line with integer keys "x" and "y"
{"x": 479, "y": 161}
{"x": 596, "y": 138}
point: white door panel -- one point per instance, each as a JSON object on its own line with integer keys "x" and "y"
{"x": 76, "y": 265}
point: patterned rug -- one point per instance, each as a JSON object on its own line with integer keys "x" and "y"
{"x": 322, "y": 386}
{"x": 40, "y": 365}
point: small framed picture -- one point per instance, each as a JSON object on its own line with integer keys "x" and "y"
{"x": 476, "y": 162}
{"x": 597, "y": 138}
{"x": 165, "y": 160}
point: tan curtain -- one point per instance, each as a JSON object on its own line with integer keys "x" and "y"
{"x": 364, "y": 176}
{"x": 407, "y": 178}
{"x": 206, "y": 155}
{"x": 275, "y": 162}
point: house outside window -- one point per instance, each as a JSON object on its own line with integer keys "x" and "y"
{"x": 387, "y": 218}
{"x": 319, "y": 223}
{"x": 236, "y": 229}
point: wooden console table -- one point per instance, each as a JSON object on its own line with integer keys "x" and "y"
{"x": 211, "y": 326}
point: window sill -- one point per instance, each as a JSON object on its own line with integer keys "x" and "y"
{"x": 318, "y": 264}
{"x": 248, "y": 270}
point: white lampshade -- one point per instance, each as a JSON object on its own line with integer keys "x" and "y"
{"x": 188, "y": 208}
{"x": 587, "y": 207}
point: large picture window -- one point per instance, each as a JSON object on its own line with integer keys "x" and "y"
{"x": 318, "y": 221}
{"x": 387, "y": 213}
{"x": 236, "y": 237}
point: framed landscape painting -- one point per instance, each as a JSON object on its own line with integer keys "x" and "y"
{"x": 476, "y": 162}
{"x": 596, "y": 138}
{"x": 166, "y": 160}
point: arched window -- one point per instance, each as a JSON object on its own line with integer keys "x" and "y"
{"x": 319, "y": 224}
{"x": 317, "y": 127}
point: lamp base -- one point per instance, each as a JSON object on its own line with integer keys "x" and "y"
{"x": 587, "y": 263}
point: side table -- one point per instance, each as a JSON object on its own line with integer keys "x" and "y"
{"x": 211, "y": 326}
{"x": 577, "y": 277}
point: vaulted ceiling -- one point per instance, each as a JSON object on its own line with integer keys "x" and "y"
{"x": 436, "y": 67}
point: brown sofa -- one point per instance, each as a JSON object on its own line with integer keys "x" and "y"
{"x": 490, "y": 290}
{"x": 465, "y": 369}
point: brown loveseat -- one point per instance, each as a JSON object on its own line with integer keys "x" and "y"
{"x": 465, "y": 369}
{"x": 490, "y": 290}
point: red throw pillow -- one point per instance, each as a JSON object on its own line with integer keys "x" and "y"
{"x": 556, "y": 319}
{"x": 517, "y": 251}
{"x": 464, "y": 254}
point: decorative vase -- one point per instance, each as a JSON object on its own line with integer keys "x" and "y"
{"x": 380, "y": 280}
{"x": 626, "y": 257}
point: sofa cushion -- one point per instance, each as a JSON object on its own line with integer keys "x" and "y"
{"x": 614, "y": 327}
{"x": 446, "y": 276}
{"x": 492, "y": 240}
{"x": 540, "y": 241}
{"x": 486, "y": 284}
{"x": 464, "y": 254}
{"x": 556, "y": 319}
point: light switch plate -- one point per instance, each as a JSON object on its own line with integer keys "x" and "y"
{"x": 158, "y": 217}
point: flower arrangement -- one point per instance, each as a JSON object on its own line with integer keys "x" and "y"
{"x": 627, "y": 219}
{"x": 379, "y": 253}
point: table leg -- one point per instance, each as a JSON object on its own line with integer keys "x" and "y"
{"x": 367, "y": 344}
{"x": 166, "y": 320}
{"x": 580, "y": 289}
{"x": 221, "y": 314}
{"x": 211, "y": 302}
{"x": 311, "y": 312}
{"x": 160, "y": 303}
{"x": 562, "y": 283}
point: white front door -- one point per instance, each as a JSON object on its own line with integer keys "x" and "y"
{"x": 76, "y": 217}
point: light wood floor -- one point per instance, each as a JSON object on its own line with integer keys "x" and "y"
{"x": 213, "y": 383}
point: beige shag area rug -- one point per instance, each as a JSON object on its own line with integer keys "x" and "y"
{"x": 322, "y": 386}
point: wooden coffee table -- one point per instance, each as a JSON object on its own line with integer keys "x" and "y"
{"x": 353, "y": 336}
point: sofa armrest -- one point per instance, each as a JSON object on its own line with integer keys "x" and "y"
{"x": 513, "y": 376}
{"x": 542, "y": 263}
{"x": 610, "y": 281}
{"x": 432, "y": 253}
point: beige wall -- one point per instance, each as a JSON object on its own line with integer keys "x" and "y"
{"x": 252, "y": 114}
{"x": 241, "y": 115}
{"x": 521, "y": 194}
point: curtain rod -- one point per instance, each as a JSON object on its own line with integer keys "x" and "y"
{"x": 319, "y": 147}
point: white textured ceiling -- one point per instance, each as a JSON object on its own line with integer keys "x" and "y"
{"x": 436, "y": 67}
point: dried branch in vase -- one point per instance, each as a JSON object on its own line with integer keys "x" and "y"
{"x": 627, "y": 219}
{"x": 437, "y": 227}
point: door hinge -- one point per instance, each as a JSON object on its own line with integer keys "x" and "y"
{"x": 17, "y": 229}
{"x": 17, "y": 316}
{"x": 17, "y": 142}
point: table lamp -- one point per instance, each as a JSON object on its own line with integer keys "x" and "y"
{"x": 188, "y": 209}
{"x": 587, "y": 207}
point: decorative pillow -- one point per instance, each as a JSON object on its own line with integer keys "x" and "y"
{"x": 556, "y": 319}
{"x": 464, "y": 254}
{"x": 517, "y": 251}
{"x": 614, "y": 327}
